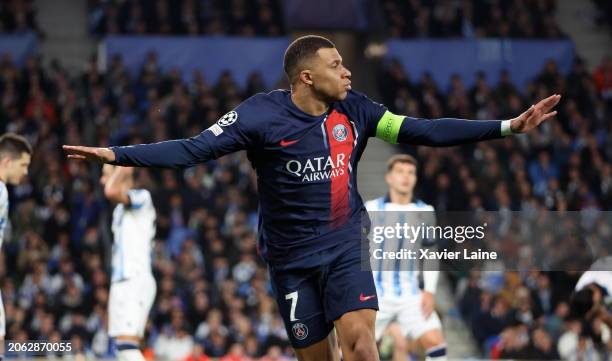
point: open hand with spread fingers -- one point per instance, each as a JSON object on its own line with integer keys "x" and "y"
{"x": 535, "y": 115}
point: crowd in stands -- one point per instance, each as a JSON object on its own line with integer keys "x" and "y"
{"x": 18, "y": 16}
{"x": 565, "y": 165}
{"x": 604, "y": 13}
{"x": 187, "y": 17}
{"x": 467, "y": 18}
{"x": 404, "y": 19}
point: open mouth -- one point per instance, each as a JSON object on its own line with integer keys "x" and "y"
{"x": 348, "y": 86}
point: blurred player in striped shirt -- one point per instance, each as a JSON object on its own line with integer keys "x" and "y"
{"x": 133, "y": 287}
{"x": 406, "y": 308}
{"x": 15, "y": 156}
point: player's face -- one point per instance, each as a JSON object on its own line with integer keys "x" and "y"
{"x": 16, "y": 168}
{"x": 330, "y": 78}
{"x": 107, "y": 170}
{"x": 402, "y": 178}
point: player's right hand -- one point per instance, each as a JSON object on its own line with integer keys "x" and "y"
{"x": 101, "y": 155}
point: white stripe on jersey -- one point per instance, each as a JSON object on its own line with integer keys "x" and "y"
{"x": 133, "y": 229}
{"x": 324, "y": 133}
{"x": 396, "y": 278}
{"x": 4, "y": 208}
{"x": 3, "y": 223}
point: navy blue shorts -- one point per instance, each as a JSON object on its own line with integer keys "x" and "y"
{"x": 311, "y": 299}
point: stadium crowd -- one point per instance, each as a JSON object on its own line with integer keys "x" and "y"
{"x": 187, "y": 17}
{"x": 566, "y": 165}
{"x": 18, "y": 16}
{"x": 480, "y": 18}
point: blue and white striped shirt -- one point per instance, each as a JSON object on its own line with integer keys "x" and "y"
{"x": 396, "y": 278}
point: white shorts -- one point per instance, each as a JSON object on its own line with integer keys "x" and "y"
{"x": 129, "y": 304}
{"x": 2, "y": 319}
{"x": 407, "y": 312}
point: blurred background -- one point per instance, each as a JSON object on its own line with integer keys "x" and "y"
{"x": 121, "y": 72}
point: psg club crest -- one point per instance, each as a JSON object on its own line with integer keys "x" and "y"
{"x": 340, "y": 132}
{"x": 228, "y": 119}
{"x": 300, "y": 331}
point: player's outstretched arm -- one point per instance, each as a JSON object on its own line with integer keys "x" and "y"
{"x": 449, "y": 131}
{"x": 169, "y": 154}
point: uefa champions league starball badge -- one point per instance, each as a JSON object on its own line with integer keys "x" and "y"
{"x": 228, "y": 119}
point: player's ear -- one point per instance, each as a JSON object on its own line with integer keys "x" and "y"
{"x": 306, "y": 77}
{"x": 4, "y": 160}
{"x": 387, "y": 178}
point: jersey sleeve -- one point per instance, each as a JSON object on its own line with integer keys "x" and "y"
{"x": 442, "y": 132}
{"x": 139, "y": 198}
{"x": 236, "y": 130}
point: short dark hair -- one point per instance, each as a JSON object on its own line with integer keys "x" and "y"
{"x": 401, "y": 158}
{"x": 301, "y": 49}
{"x": 581, "y": 303}
{"x": 14, "y": 145}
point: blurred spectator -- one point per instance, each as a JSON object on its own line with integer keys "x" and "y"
{"x": 604, "y": 13}
{"x": 197, "y": 354}
{"x": 236, "y": 353}
{"x": 18, "y": 16}
{"x": 603, "y": 78}
{"x": 173, "y": 345}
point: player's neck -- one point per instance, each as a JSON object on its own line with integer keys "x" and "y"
{"x": 308, "y": 103}
{"x": 2, "y": 177}
{"x": 398, "y": 198}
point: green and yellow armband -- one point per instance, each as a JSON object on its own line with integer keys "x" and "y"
{"x": 389, "y": 126}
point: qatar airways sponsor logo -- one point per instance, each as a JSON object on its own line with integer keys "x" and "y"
{"x": 318, "y": 168}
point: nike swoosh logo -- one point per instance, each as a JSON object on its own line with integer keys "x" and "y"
{"x": 363, "y": 298}
{"x": 285, "y": 143}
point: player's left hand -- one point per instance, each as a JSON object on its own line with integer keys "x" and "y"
{"x": 427, "y": 303}
{"x": 101, "y": 155}
{"x": 535, "y": 115}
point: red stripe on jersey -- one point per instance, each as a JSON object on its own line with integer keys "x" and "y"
{"x": 340, "y": 138}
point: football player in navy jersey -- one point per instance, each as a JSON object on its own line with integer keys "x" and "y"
{"x": 305, "y": 145}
